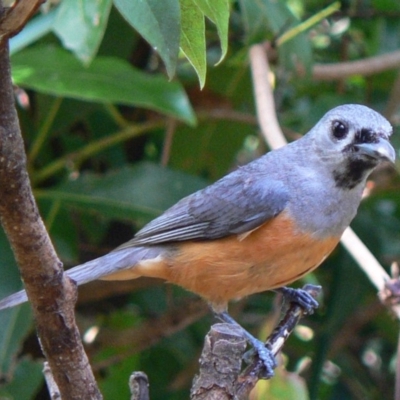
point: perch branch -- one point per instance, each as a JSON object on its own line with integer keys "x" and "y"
{"x": 221, "y": 359}
{"x": 249, "y": 377}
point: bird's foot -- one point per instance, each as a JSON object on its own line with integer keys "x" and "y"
{"x": 259, "y": 348}
{"x": 302, "y": 297}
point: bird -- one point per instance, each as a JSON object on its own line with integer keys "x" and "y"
{"x": 262, "y": 226}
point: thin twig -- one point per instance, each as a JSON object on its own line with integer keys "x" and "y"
{"x": 44, "y": 130}
{"x": 139, "y": 386}
{"x": 169, "y": 135}
{"x": 363, "y": 257}
{"x": 52, "y": 387}
{"x": 93, "y": 148}
{"x": 249, "y": 377}
{"x": 394, "y": 100}
{"x": 365, "y": 67}
{"x": 263, "y": 94}
{"x": 308, "y": 23}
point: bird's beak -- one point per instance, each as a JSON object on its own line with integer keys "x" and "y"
{"x": 381, "y": 150}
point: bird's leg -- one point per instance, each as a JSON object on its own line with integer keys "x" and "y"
{"x": 263, "y": 352}
{"x": 301, "y": 297}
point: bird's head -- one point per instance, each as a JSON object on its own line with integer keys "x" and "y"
{"x": 352, "y": 140}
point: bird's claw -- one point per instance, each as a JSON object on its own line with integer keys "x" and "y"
{"x": 259, "y": 349}
{"x": 264, "y": 355}
{"x": 301, "y": 297}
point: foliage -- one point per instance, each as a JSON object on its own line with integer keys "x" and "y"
{"x": 116, "y": 130}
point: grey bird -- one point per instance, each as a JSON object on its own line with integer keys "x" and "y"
{"x": 262, "y": 226}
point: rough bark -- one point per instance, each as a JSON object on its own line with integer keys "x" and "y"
{"x": 51, "y": 293}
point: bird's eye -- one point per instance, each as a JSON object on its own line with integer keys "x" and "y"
{"x": 339, "y": 130}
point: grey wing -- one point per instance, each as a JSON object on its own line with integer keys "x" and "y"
{"x": 236, "y": 204}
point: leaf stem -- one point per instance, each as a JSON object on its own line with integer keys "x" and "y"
{"x": 308, "y": 23}
{"x": 94, "y": 148}
{"x": 44, "y": 130}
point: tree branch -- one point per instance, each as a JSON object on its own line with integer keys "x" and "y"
{"x": 221, "y": 359}
{"x": 139, "y": 386}
{"x": 264, "y": 97}
{"x": 52, "y": 295}
{"x": 220, "y": 363}
{"x": 250, "y": 376}
{"x": 365, "y": 67}
{"x": 13, "y": 19}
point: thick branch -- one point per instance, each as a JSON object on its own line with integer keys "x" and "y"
{"x": 51, "y": 294}
{"x": 220, "y": 363}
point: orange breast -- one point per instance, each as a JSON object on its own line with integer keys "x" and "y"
{"x": 269, "y": 257}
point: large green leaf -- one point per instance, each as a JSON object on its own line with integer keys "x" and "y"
{"x": 140, "y": 192}
{"x": 80, "y": 25}
{"x": 218, "y": 12}
{"x": 193, "y": 43}
{"x": 55, "y": 71}
{"x": 158, "y": 22}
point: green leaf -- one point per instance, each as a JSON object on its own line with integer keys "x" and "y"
{"x": 193, "y": 42}
{"x": 55, "y": 71}
{"x": 115, "y": 386}
{"x": 257, "y": 16}
{"x": 295, "y": 52}
{"x": 285, "y": 386}
{"x": 278, "y": 15}
{"x": 15, "y": 322}
{"x": 143, "y": 191}
{"x": 27, "y": 379}
{"x": 15, "y": 325}
{"x": 279, "y": 18}
{"x": 158, "y": 22}
{"x": 218, "y": 12}
{"x": 80, "y": 25}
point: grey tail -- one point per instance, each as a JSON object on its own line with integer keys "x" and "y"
{"x": 108, "y": 264}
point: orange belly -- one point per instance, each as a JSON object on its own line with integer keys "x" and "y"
{"x": 269, "y": 257}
